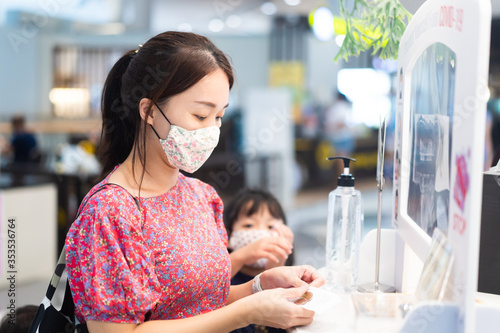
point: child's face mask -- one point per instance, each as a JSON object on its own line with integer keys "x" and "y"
{"x": 242, "y": 238}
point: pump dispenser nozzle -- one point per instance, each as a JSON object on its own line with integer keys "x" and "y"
{"x": 345, "y": 179}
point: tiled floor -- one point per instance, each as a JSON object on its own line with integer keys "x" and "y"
{"x": 307, "y": 220}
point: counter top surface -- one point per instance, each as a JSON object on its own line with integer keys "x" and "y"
{"x": 345, "y": 317}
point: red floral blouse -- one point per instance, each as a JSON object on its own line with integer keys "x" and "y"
{"x": 169, "y": 260}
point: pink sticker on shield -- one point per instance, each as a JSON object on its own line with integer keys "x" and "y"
{"x": 461, "y": 182}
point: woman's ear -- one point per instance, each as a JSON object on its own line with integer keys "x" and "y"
{"x": 144, "y": 106}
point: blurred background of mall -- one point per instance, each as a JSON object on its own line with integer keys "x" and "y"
{"x": 282, "y": 122}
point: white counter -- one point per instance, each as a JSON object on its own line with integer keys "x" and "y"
{"x": 32, "y": 233}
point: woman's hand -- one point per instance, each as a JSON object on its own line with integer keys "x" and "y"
{"x": 291, "y": 276}
{"x": 273, "y": 308}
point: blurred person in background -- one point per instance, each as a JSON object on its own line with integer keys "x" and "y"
{"x": 341, "y": 136}
{"x": 21, "y": 156}
{"x": 23, "y": 143}
{"x": 4, "y": 149}
{"x": 336, "y": 129}
{"x": 78, "y": 157}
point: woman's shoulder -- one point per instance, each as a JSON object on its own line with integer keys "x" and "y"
{"x": 108, "y": 198}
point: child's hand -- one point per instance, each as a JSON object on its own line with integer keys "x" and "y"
{"x": 275, "y": 249}
{"x": 283, "y": 231}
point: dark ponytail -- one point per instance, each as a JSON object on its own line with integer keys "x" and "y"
{"x": 118, "y": 131}
{"x": 166, "y": 65}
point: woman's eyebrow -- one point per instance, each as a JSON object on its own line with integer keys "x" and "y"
{"x": 210, "y": 104}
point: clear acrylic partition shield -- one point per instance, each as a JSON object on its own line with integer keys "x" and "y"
{"x": 439, "y": 148}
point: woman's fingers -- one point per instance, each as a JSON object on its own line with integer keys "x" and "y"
{"x": 292, "y": 293}
{"x": 291, "y": 276}
{"x": 301, "y": 316}
{"x": 312, "y": 276}
{"x": 279, "y": 311}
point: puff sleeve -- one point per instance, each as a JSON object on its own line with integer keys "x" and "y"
{"x": 217, "y": 206}
{"x": 110, "y": 267}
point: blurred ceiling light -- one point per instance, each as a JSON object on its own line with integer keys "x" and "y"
{"x": 339, "y": 40}
{"x": 367, "y": 111}
{"x": 216, "y": 25}
{"x": 268, "y": 8}
{"x": 70, "y": 102}
{"x": 357, "y": 83}
{"x": 233, "y": 21}
{"x": 292, "y": 2}
{"x": 368, "y": 90}
{"x": 322, "y": 24}
{"x": 186, "y": 27}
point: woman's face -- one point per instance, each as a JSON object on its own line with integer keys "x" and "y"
{"x": 261, "y": 220}
{"x": 200, "y": 106}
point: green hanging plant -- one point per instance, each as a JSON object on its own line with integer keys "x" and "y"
{"x": 371, "y": 24}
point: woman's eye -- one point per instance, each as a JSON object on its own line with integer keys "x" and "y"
{"x": 219, "y": 118}
{"x": 248, "y": 226}
{"x": 271, "y": 227}
{"x": 201, "y": 118}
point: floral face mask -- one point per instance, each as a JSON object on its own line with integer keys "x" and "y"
{"x": 188, "y": 150}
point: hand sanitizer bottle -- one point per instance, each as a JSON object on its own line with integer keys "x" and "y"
{"x": 344, "y": 230}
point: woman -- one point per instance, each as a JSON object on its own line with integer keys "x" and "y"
{"x": 148, "y": 250}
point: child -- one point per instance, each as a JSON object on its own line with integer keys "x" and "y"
{"x": 258, "y": 239}
{"x": 20, "y": 322}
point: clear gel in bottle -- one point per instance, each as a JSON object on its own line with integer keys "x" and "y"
{"x": 344, "y": 230}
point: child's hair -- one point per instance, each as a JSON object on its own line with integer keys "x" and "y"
{"x": 24, "y": 317}
{"x": 248, "y": 202}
